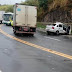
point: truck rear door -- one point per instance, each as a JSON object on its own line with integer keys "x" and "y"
{"x": 26, "y": 15}
{"x": 20, "y": 15}
{"x": 31, "y": 16}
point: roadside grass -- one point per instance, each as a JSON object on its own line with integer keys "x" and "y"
{"x": 40, "y": 25}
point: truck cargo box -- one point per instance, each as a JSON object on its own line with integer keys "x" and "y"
{"x": 25, "y": 18}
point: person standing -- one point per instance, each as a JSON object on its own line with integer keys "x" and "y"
{"x": 68, "y": 29}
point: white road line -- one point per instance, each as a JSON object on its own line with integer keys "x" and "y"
{"x": 52, "y": 38}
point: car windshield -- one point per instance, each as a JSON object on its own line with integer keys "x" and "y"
{"x": 7, "y": 17}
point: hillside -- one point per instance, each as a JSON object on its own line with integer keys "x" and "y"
{"x": 6, "y": 8}
{"x": 59, "y": 10}
{"x": 49, "y": 10}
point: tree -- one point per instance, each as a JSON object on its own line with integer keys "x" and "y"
{"x": 7, "y": 8}
{"x": 43, "y": 4}
{"x": 31, "y": 2}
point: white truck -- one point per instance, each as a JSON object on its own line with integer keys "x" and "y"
{"x": 24, "y": 20}
{"x": 1, "y": 16}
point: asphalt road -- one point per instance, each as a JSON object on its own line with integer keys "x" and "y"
{"x": 19, "y": 57}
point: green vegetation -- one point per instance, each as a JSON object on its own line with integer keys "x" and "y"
{"x": 30, "y": 2}
{"x": 64, "y": 4}
{"x": 43, "y": 6}
{"x": 7, "y": 8}
{"x": 40, "y": 25}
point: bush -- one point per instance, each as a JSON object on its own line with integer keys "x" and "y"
{"x": 7, "y": 8}
{"x": 40, "y": 25}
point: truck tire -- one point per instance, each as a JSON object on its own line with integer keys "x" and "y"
{"x": 32, "y": 35}
{"x": 1, "y": 22}
{"x": 57, "y": 32}
{"x": 6, "y": 24}
{"x": 15, "y": 33}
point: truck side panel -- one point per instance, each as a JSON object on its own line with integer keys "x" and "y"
{"x": 14, "y": 16}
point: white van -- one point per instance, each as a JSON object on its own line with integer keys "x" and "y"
{"x": 7, "y": 17}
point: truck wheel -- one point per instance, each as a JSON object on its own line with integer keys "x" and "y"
{"x": 6, "y": 25}
{"x": 1, "y": 22}
{"x": 32, "y": 34}
{"x": 57, "y": 32}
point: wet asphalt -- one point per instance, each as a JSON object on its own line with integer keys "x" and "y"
{"x": 18, "y": 57}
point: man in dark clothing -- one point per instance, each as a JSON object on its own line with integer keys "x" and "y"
{"x": 68, "y": 29}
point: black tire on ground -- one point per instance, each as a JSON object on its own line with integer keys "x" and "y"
{"x": 57, "y": 32}
{"x": 6, "y": 25}
{"x": 1, "y": 22}
{"x": 32, "y": 34}
{"x": 48, "y": 33}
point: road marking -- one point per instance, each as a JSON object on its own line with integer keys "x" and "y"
{"x": 52, "y": 38}
{"x": 37, "y": 46}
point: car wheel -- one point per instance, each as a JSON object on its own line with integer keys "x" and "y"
{"x": 48, "y": 33}
{"x": 57, "y": 32}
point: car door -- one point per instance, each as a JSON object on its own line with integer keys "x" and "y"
{"x": 64, "y": 29}
{"x": 60, "y": 28}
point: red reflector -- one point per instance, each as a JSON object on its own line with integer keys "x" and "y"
{"x": 19, "y": 28}
{"x": 31, "y": 29}
{"x": 52, "y": 27}
{"x": 25, "y": 29}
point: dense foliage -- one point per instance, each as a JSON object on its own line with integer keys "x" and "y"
{"x": 7, "y": 8}
{"x": 43, "y": 6}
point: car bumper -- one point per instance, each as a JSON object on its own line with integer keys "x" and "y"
{"x": 51, "y": 30}
{"x": 7, "y": 24}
